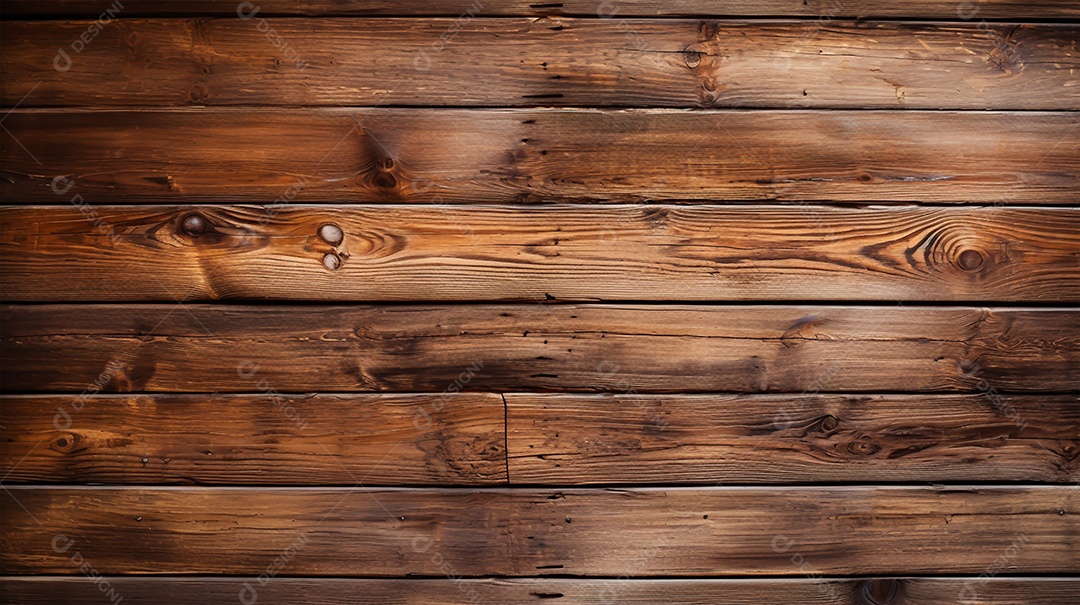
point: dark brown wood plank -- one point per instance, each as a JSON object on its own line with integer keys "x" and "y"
{"x": 553, "y": 439}
{"x": 465, "y": 9}
{"x": 679, "y": 532}
{"x": 529, "y": 591}
{"x": 556, "y": 61}
{"x": 269, "y": 439}
{"x": 447, "y": 155}
{"x": 709, "y": 439}
{"x": 408, "y": 253}
{"x": 567, "y": 347}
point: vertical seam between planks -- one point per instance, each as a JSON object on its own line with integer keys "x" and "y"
{"x": 506, "y": 437}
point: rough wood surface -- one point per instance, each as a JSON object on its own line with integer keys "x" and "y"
{"x": 566, "y": 347}
{"x": 272, "y": 439}
{"x": 548, "y": 61}
{"x": 413, "y": 252}
{"x": 577, "y": 439}
{"x": 470, "y": 155}
{"x": 677, "y": 532}
{"x": 464, "y": 9}
{"x": 529, "y": 591}
{"x": 553, "y": 439}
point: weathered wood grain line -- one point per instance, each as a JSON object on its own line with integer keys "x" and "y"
{"x": 529, "y": 591}
{"x": 450, "y": 439}
{"x": 604, "y": 9}
{"x": 709, "y": 439}
{"x": 550, "y": 61}
{"x": 570, "y": 252}
{"x": 625, "y": 348}
{"x": 678, "y": 532}
{"x": 483, "y": 156}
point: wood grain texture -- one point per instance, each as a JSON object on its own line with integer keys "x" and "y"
{"x": 273, "y": 439}
{"x": 470, "y": 156}
{"x": 678, "y": 532}
{"x": 570, "y": 252}
{"x": 548, "y": 61}
{"x": 930, "y": 9}
{"x": 529, "y": 591}
{"x": 711, "y": 439}
{"x": 553, "y": 439}
{"x": 566, "y": 347}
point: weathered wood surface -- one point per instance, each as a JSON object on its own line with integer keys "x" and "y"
{"x": 272, "y": 439}
{"x": 549, "y": 61}
{"x": 579, "y": 439}
{"x": 552, "y": 439}
{"x": 466, "y": 9}
{"x": 592, "y": 347}
{"x": 474, "y": 156}
{"x": 529, "y": 591}
{"x": 595, "y": 252}
{"x": 677, "y": 532}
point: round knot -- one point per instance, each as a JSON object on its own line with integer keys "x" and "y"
{"x": 331, "y": 234}
{"x": 193, "y": 224}
{"x": 970, "y": 260}
{"x": 692, "y": 55}
{"x": 386, "y": 180}
{"x": 880, "y": 592}
{"x": 829, "y": 423}
{"x": 862, "y": 447}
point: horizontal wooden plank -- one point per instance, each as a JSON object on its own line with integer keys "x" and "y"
{"x": 678, "y": 532}
{"x": 469, "y": 155}
{"x": 268, "y": 439}
{"x": 557, "y": 61}
{"x": 566, "y": 347}
{"x": 937, "y": 9}
{"x": 580, "y": 439}
{"x": 553, "y": 439}
{"x": 527, "y": 591}
{"x": 413, "y": 252}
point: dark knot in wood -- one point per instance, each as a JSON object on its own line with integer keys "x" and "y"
{"x": 193, "y": 225}
{"x": 970, "y": 260}
{"x": 880, "y": 592}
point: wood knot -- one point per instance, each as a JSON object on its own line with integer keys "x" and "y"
{"x": 386, "y": 164}
{"x": 193, "y": 225}
{"x": 692, "y": 55}
{"x": 331, "y": 261}
{"x": 880, "y": 592}
{"x": 198, "y": 94}
{"x": 386, "y": 180}
{"x": 970, "y": 260}
{"x": 863, "y": 447}
{"x": 828, "y": 423}
{"x": 331, "y": 234}
{"x": 64, "y": 443}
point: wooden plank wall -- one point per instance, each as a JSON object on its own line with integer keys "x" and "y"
{"x": 620, "y": 301}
